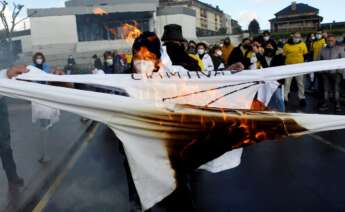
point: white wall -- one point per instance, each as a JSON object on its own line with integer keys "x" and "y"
{"x": 96, "y": 46}
{"x": 54, "y": 30}
{"x": 187, "y": 22}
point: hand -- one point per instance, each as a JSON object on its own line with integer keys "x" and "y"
{"x": 16, "y": 70}
{"x": 237, "y": 67}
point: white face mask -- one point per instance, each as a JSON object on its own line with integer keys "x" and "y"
{"x": 39, "y": 61}
{"x": 144, "y": 66}
{"x": 109, "y": 62}
{"x": 201, "y": 51}
{"x": 267, "y": 38}
{"x": 219, "y": 53}
{"x": 318, "y": 36}
{"x": 297, "y": 40}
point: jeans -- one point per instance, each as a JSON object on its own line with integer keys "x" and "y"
{"x": 6, "y": 153}
{"x": 277, "y": 101}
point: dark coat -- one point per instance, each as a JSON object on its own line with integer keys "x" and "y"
{"x": 179, "y": 56}
{"x": 237, "y": 56}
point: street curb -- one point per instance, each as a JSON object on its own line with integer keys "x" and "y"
{"x": 40, "y": 183}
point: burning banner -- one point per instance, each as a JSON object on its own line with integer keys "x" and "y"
{"x": 180, "y": 120}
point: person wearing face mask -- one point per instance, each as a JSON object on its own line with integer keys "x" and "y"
{"x": 217, "y": 58}
{"x": 295, "y": 51}
{"x": 174, "y": 49}
{"x": 318, "y": 44}
{"x": 332, "y": 78}
{"x": 268, "y": 40}
{"x": 39, "y": 61}
{"x": 238, "y": 54}
{"x": 146, "y": 52}
{"x": 227, "y": 48}
{"x": 275, "y": 58}
{"x": 203, "y": 55}
{"x": 192, "y": 47}
{"x": 108, "y": 66}
{"x": 255, "y": 56}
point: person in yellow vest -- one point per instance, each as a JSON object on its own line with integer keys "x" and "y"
{"x": 294, "y": 51}
{"x": 318, "y": 44}
{"x": 227, "y": 48}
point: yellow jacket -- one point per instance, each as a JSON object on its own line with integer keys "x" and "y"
{"x": 200, "y": 63}
{"x": 226, "y": 52}
{"x": 294, "y": 53}
{"x": 317, "y": 46}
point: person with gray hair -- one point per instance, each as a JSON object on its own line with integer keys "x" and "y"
{"x": 331, "y": 51}
{"x": 6, "y": 153}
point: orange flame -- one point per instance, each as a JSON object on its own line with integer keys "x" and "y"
{"x": 144, "y": 54}
{"x": 100, "y": 11}
{"x": 130, "y": 32}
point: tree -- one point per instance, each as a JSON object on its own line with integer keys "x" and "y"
{"x": 10, "y": 23}
{"x": 254, "y": 27}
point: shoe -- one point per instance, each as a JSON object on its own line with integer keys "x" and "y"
{"x": 324, "y": 107}
{"x": 302, "y": 103}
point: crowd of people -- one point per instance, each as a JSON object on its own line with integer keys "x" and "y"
{"x": 251, "y": 54}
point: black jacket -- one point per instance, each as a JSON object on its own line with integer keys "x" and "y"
{"x": 179, "y": 56}
{"x": 237, "y": 56}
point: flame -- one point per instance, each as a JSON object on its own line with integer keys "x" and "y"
{"x": 130, "y": 32}
{"x": 144, "y": 54}
{"x": 100, "y": 11}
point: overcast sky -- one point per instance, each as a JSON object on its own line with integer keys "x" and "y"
{"x": 242, "y": 10}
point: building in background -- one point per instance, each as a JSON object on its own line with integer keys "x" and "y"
{"x": 209, "y": 20}
{"x": 85, "y": 27}
{"x": 334, "y": 27}
{"x": 296, "y": 17}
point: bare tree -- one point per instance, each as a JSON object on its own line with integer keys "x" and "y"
{"x": 10, "y": 23}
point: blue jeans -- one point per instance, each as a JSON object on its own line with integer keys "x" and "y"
{"x": 277, "y": 101}
{"x": 6, "y": 153}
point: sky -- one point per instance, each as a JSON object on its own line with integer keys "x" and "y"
{"x": 242, "y": 10}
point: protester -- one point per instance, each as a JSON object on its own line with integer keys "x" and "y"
{"x": 146, "y": 51}
{"x": 202, "y": 49}
{"x": 217, "y": 58}
{"x": 318, "y": 44}
{"x": 108, "y": 66}
{"x": 227, "y": 48}
{"x": 309, "y": 42}
{"x": 294, "y": 51}
{"x": 275, "y": 58}
{"x": 97, "y": 62}
{"x": 39, "y": 61}
{"x": 70, "y": 64}
{"x": 173, "y": 38}
{"x": 256, "y": 55}
{"x": 331, "y": 51}
{"x": 268, "y": 40}
{"x": 238, "y": 54}
{"x": 192, "y": 47}
{"x": 120, "y": 63}
{"x": 6, "y": 153}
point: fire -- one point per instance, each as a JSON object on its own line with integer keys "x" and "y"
{"x": 100, "y": 11}
{"x": 144, "y": 54}
{"x": 130, "y": 32}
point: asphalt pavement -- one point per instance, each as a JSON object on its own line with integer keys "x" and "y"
{"x": 302, "y": 174}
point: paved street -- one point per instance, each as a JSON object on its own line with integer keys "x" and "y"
{"x": 27, "y": 144}
{"x": 304, "y": 174}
